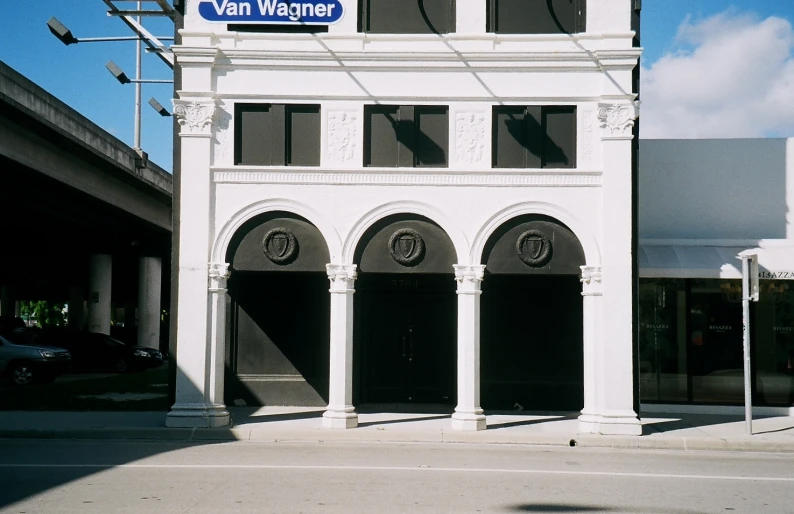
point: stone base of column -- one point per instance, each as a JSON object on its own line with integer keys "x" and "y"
{"x": 468, "y": 421}
{"x": 197, "y": 416}
{"x": 345, "y": 417}
{"x": 614, "y": 423}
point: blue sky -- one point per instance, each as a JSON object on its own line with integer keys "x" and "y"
{"x": 77, "y": 74}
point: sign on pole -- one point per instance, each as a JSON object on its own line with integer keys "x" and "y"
{"x": 749, "y": 293}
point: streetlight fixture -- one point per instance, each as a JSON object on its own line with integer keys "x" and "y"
{"x": 158, "y": 107}
{"x": 132, "y": 18}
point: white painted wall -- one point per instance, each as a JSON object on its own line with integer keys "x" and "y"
{"x": 716, "y": 189}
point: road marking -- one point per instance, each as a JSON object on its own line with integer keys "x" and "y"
{"x": 397, "y": 468}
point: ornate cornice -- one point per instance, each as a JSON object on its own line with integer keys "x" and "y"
{"x": 591, "y": 279}
{"x": 379, "y": 176}
{"x": 342, "y": 277}
{"x": 218, "y": 274}
{"x": 195, "y": 117}
{"x": 469, "y": 278}
{"x": 617, "y": 120}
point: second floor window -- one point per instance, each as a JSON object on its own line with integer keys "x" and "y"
{"x": 407, "y": 16}
{"x": 277, "y": 135}
{"x": 406, "y": 135}
{"x": 534, "y": 137}
{"x": 536, "y": 16}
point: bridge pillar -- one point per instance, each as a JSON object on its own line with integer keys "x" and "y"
{"x": 150, "y": 270}
{"x": 76, "y": 315}
{"x": 8, "y": 301}
{"x": 100, "y": 273}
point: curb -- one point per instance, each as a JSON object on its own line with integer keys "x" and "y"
{"x": 242, "y": 434}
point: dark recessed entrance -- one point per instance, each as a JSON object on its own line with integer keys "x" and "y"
{"x": 531, "y": 342}
{"x": 531, "y": 327}
{"x": 405, "y": 314}
{"x": 406, "y": 336}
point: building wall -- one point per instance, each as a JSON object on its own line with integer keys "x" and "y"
{"x": 717, "y": 189}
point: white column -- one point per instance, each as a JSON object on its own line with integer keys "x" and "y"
{"x": 613, "y": 405}
{"x": 100, "y": 274}
{"x": 193, "y": 406}
{"x": 468, "y": 414}
{"x": 340, "y": 412}
{"x": 149, "y": 278}
{"x": 219, "y": 274}
{"x": 593, "y": 312}
{"x": 76, "y": 308}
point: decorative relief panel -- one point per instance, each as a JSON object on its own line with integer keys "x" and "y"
{"x": 587, "y": 144}
{"x": 195, "y": 117}
{"x": 407, "y": 247}
{"x": 534, "y": 248}
{"x": 342, "y": 136}
{"x": 617, "y": 120}
{"x": 221, "y": 137}
{"x": 470, "y": 136}
{"x": 280, "y": 246}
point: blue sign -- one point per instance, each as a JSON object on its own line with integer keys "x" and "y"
{"x": 282, "y": 12}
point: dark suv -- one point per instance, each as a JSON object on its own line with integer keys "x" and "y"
{"x": 28, "y": 363}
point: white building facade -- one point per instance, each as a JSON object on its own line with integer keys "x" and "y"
{"x": 438, "y": 216}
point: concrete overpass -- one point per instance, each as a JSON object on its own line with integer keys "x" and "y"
{"x": 85, "y": 218}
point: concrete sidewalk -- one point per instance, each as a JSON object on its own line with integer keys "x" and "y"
{"x": 679, "y": 432}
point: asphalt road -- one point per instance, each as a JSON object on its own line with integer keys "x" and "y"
{"x": 42, "y": 476}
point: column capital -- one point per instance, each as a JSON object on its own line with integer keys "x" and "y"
{"x": 469, "y": 278}
{"x": 342, "y": 277}
{"x": 617, "y": 119}
{"x": 591, "y": 280}
{"x": 195, "y": 116}
{"x": 218, "y": 274}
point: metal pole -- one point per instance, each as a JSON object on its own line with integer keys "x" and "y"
{"x": 138, "y": 63}
{"x": 748, "y": 400}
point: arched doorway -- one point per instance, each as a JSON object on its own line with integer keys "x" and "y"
{"x": 278, "y": 313}
{"x": 531, "y": 317}
{"x": 405, "y": 314}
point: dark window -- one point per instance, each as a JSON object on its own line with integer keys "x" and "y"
{"x": 407, "y": 16}
{"x": 534, "y": 137}
{"x": 536, "y": 16}
{"x": 406, "y": 135}
{"x": 277, "y": 135}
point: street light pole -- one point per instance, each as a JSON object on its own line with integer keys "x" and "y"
{"x": 138, "y": 66}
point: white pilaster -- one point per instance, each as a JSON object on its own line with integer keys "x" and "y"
{"x": 468, "y": 413}
{"x": 609, "y": 406}
{"x": 593, "y": 312}
{"x": 340, "y": 412}
{"x": 219, "y": 274}
{"x": 195, "y": 403}
{"x": 149, "y": 278}
{"x": 100, "y": 275}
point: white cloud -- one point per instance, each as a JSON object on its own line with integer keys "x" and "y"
{"x": 732, "y": 76}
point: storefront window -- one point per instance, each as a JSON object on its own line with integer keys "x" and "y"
{"x": 773, "y": 343}
{"x": 691, "y": 342}
{"x": 663, "y": 358}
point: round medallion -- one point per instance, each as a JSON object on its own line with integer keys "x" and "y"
{"x": 407, "y": 247}
{"x": 280, "y": 246}
{"x": 534, "y": 248}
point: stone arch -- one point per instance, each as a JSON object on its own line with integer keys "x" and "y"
{"x": 452, "y": 231}
{"x": 233, "y": 224}
{"x": 588, "y": 241}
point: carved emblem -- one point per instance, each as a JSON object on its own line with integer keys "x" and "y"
{"x": 280, "y": 246}
{"x": 534, "y": 248}
{"x": 407, "y": 247}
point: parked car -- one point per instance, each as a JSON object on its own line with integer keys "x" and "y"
{"x": 93, "y": 351}
{"x": 28, "y": 363}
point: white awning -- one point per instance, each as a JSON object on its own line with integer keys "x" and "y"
{"x": 691, "y": 261}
